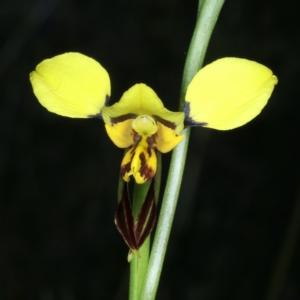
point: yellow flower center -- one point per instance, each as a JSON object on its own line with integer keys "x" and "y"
{"x": 140, "y": 160}
{"x": 144, "y": 125}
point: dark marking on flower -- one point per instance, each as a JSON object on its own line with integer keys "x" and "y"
{"x": 188, "y": 121}
{"x": 107, "y": 98}
{"x": 146, "y": 171}
{"x": 169, "y": 124}
{"x": 186, "y": 109}
{"x": 124, "y": 220}
{"x": 136, "y": 138}
{"x": 151, "y": 141}
{"x": 125, "y": 169}
{"x": 122, "y": 118}
{"x": 146, "y": 218}
{"x": 99, "y": 115}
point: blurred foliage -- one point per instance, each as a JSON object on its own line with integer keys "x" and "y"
{"x": 58, "y": 176}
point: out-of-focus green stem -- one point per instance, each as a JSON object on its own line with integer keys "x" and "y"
{"x": 285, "y": 254}
{"x": 207, "y": 16}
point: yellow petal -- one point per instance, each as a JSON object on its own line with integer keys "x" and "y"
{"x": 121, "y": 133}
{"x": 142, "y": 100}
{"x": 228, "y": 93}
{"x": 139, "y": 162}
{"x": 144, "y": 164}
{"x": 166, "y": 139}
{"x": 126, "y": 165}
{"x": 71, "y": 85}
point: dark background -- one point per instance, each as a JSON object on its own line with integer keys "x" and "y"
{"x": 58, "y": 176}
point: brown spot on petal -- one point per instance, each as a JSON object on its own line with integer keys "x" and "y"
{"x": 165, "y": 122}
{"x": 107, "y": 100}
{"x": 151, "y": 141}
{"x": 99, "y": 115}
{"x": 146, "y": 171}
{"x": 125, "y": 169}
{"x": 188, "y": 121}
{"x": 136, "y": 138}
{"x": 122, "y": 118}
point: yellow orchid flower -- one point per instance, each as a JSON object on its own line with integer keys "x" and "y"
{"x": 223, "y": 95}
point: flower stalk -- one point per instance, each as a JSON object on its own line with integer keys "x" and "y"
{"x": 207, "y": 16}
{"x": 138, "y": 265}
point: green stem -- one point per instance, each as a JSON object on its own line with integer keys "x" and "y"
{"x": 138, "y": 268}
{"x": 208, "y": 12}
{"x": 207, "y": 16}
{"x": 138, "y": 265}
